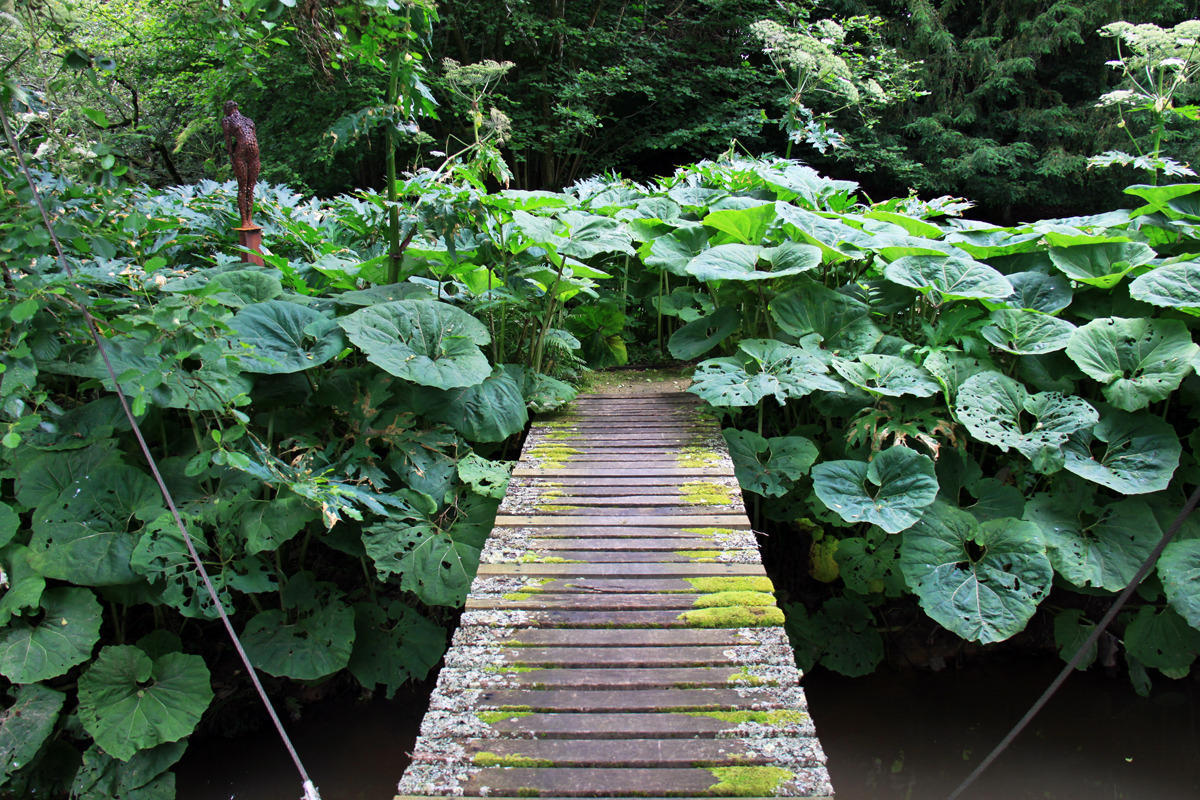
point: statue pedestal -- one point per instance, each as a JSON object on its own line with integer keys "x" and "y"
{"x": 250, "y": 237}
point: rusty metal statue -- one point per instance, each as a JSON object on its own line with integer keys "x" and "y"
{"x": 242, "y": 143}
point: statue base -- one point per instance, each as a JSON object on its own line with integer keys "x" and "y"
{"x": 250, "y": 237}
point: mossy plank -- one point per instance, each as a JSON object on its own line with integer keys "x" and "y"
{"x": 634, "y": 678}
{"x": 696, "y": 656}
{"x": 593, "y": 781}
{"x": 523, "y": 470}
{"x": 624, "y": 556}
{"x": 682, "y": 570}
{"x": 626, "y": 544}
{"x": 628, "y": 700}
{"x": 622, "y": 637}
{"x": 634, "y": 752}
{"x": 615, "y": 725}
{"x": 595, "y": 602}
{"x": 698, "y": 519}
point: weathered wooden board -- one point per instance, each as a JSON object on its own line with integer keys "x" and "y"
{"x": 584, "y": 601}
{"x": 624, "y": 700}
{"x": 614, "y": 656}
{"x": 622, "y": 586}
{"x": 623, "y": 472}
{"x": 623, "y": 637}
{"x": 633, "y": 725}
{"x": 698, "y": 520}
{"x": 623, "y": 570}
{"x": 632, "y": 752}
{"x": 679, "y": 554}
{"x": 635, "y": 677}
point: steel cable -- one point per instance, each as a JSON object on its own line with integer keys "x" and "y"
{"x": 310, "y": 789}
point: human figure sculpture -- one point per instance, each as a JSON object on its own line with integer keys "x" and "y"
{"x": 242, "y": 144}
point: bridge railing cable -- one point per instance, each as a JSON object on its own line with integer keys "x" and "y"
{"x": 309, "y": 788}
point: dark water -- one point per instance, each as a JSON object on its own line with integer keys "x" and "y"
{"x": 889, "y": 735}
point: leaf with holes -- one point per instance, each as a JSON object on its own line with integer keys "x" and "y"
{"x": 996, "y": 409}
{"x": 46, "y": 647}
{"x": 843, "y": 323}
{"x": 431, "y": 564}
{"x": 764, "y": 368}
{"x": 982, "y": 581}
{"x": 1102, "y": 549}
{"x": 870, "y": 564}
{"x": 393, "y": 644}
{"x": 318, "y": 643}
{"x": 949, "y": 278}
{"x": 145, "y": 776}
{"x": 1179, "y": 570}
{"x": 129, "y": 702}
{"x": 1138, "y": 360}
{"x": 787, "y": 458}
{"x": 1101, "y": 264}
{"x": 281, "y": 337}
{"x": 1027, "y": 332}
{"x": 487, "y": 478}
{"x": 1128, "y": 453}
{"x": 424, "y": 341}
{"x": 1172, "y": 285}
{"x": 1162, "y": 640}
{"x": 892, "y": 491}
{"x": 842, "y": 632}
{"x": 491, "y": 410}
{"x": 26, "y": 724}
{"x": 892, "y": 376}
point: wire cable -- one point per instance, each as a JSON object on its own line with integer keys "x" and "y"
{"x": 1091, "y": 640}
{"x": 310, "y": 789}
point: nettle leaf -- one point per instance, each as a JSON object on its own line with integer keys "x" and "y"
{"x": 1172, "y": 286}
{"x": 843, "y": 323}
{"x": 423, "y": 341}
{"x": 739, "y": 262}
{"x": 1027, "y": 332}
{"x": 83, "y": 535}
{"x": 142, "y": 777}
{"x": 487, "y": 478}
{"x": 432, "y": 564}
{"x": 982, "y": 581}
{"x": 764, "y": 368}
{"x": 128, "y": 702}
{"x": 701, "y": 335}
{"x": 788, "y": 458}
{"x": 26, "y": 724}
{"x": 1101, "y": 264}
{"x": 1139, "y": 453}
{"x": 285, "y": 337}
{"x": 890, "y": 492}
{"x": 1104, "y": 549}
{"x": 1138, "y": 360}
{"x": 316, "y": 644}
{"x": 393, "y": 644}
{"x": 1162, "y": 640}
{"x": 996, "y": 409}
{"x": 1037, "y": 291}
{"x": 951, "y": 278}
{"x": 491, "y": 410}
{"x": 1179, "y": 570}
{"x": 38, "y": 649}
{"x": 892, "y": 376}
{"x": 266, "y": 524}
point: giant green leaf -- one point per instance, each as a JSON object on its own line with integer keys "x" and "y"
{"x": 997, "y": 409}
{"x": 701, "y": 335}
{"x": 891, "y": 491}
{"x": 1173, "y": 285}
{"x": 145, "y": 776}
{"x": 393, "y": 644}
{"x": 842, "y": 634}
{"x": 83, "y": 536}
{"x": 745, "y": 225}
{"x": 46, "y": 647}
{"x": 739, "y": 262}
{"x": 491, "y": 410}
{"x": 1162, "y": 639}
{"x": 887, "y": 375}
{"x": 25, "y": 584}
{"x": 1138, "y": 360}
{"x": 950, "y": 278}
{"x": 317, "y": 643}
{"x": 591, "y": 235}
{"x": 764, "y": 368}
{"x": 1128, "y": 453}
{"x": 1037, "y": 291}
{"x": 423, "y": 341}
{"x": 242, "y": 287}
{"x": 433, "y": 565}
{"x": 1179, "y": 570}
{"x": 787, "y": 458}
{"x": 1027, "y": 332}
{"x": 1101, "y": 264}
{"x": 128, "y": 702}
{"x": 162, "y": 558}
{"x": 25, "y": 725}
{"x": 46, "y": 475}
{"x": 1103, "y": 549}
{"x": 9, "y": 522}
{"x": 869, "y": 564}
{"x": 285, "y": 337}
{"x": 982, "y": 581}
{"x": 676, "y": 249}
{"x": 843, "y": 323}
{"x": 952, "y": 368}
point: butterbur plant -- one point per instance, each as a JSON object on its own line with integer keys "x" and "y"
{"x": 1157, "y": 67}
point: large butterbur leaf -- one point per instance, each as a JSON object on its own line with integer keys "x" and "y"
{"x": 763, "y": 368}
{"x": 769, "y": 466}
{"x": 1128, "y": 453}
{"x": 744, "y": 225}
{"x": 983, "y": 581}
{"x": 996, "y": 409}
{"x": 315, "y": 644}
{"x": 701, "y": 335}
{"x": 1179, "y": 570}
{"x": 843, "y": 323}
{"x": 431, "y": 563}
{"x": 424, "y": 341}
{"x": 39, "y": 648}
{"x": 144, "y": 776}
{"x": 675, "y": 250}
{"x": 1037, "y": 291}
{"x": 283, "y": 337}
{"x": 1102, "y": 549}
{"x": 489, "y": 411}
{"x": 891, "y": 491}
{"x": 949, "y": 278}
{"x": 887, "y": 375}
{"x": 1162, "y": 639}
{"x": 1101, "y": 264}
{"x": 1139, "y": 361}
{"x": 591, "y": 235}
{"x": 130, "y": 702}
{"x": 741, "y": 262}
{"x": 1172, "y": 285}
{"x": 25, "y": 584}
{"x": 393, "y": 644}
{"x": 1027, "y": 332}
{"x": 25, "y": 725}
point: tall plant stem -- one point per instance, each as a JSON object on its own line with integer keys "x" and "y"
{"x": 392, "y": 194}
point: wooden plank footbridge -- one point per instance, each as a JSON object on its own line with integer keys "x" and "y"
{"x": 621, "y": 638}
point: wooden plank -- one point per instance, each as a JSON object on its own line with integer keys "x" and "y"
{"x": 632, "y": 498}
{"x": 587, "y": 532}
{"x": 679, "y": 555}
{"x": 615, "y": 587}
{"x": 564, "y": 506}
{"x": 665, "y": 725}
{"x": 577, "y": 657}
{"x": 696, "y": 520}
{"x": 578, "y": 489}
{"x": 567, "y": 618}
{"x": 625, "y": 700}
{"x": 629, "y": 637}
{"x": 634, "y": 752}
{"x": 623, "y": 570}
{"x": 630, "y": 545}
{"x": 523, "y": 470}
{"x": 606, "y": 603}
{"x": 648, "y": 677}
{"x": 592, "y": 781}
